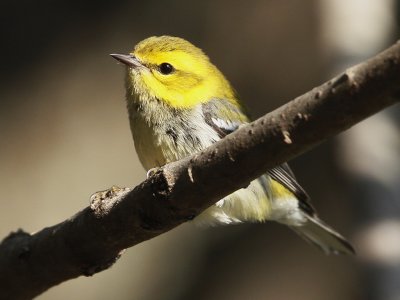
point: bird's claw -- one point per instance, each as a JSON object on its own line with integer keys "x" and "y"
{"x": 151, "y": 172}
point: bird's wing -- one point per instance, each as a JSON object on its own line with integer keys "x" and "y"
{"x": 225, "y": 117}
{"x": 284, "y": 175}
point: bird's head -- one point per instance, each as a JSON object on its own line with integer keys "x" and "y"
{"x": 175, "y": 71}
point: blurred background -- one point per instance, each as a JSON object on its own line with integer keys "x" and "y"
{"x": 64, "y": 134}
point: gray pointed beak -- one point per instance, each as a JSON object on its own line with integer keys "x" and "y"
{"x": 128, "y": 60}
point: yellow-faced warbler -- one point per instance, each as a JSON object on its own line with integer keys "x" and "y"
{"x": 180, "y": 103}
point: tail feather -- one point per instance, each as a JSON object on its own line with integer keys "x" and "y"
{"x": 324, "y": 237}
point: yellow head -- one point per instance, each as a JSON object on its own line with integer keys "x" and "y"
{"x": 175, "y": 71}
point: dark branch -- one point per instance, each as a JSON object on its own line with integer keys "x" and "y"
{"x": 93, "y": 239}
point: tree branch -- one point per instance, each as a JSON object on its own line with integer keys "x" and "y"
{"x": 93, "y": 239}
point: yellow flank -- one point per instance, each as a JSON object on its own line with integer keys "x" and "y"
{"x": 279, "y": 191}
{"x": 194, "y": 79}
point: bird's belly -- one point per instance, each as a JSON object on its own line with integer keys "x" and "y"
{"x": 156, "y": 147}
{"x": 148, "y": 150}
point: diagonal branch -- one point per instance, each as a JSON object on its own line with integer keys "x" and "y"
{"x": 93, "y": 239}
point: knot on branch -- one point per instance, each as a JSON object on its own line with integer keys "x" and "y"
{"x": 103, "y": 201}
{"x": 17, "y": 243}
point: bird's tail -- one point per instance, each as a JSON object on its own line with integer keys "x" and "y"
{"x": 324, "y": 237}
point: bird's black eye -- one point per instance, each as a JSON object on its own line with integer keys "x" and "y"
{"x": 166, "y": 68}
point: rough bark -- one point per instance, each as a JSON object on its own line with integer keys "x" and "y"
{"x": 93, "y": 239}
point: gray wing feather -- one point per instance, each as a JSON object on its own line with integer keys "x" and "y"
{"x": 284, "y": 175}
{"x": 215, "y": 117}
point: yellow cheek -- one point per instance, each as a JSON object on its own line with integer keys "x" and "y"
{"x": 178, "y": 92}
{"x": 160, "y": 90}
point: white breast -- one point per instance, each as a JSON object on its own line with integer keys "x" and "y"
{"x": 169, "y": 136}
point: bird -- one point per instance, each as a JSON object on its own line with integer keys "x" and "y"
{"x": 179, "y": 103}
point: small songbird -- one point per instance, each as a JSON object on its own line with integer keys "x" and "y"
{"x": 179, "y": 103}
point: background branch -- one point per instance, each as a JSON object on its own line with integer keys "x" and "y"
{"x": 117, "y": 219}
